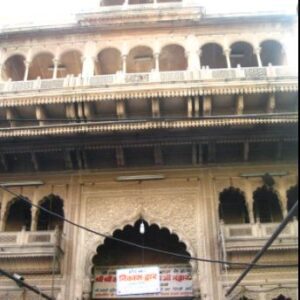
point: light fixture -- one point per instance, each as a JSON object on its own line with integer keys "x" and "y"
{"x": 142, "y": 227}
{"x": 21, "y": 183}
{"x": 140, "y": 177}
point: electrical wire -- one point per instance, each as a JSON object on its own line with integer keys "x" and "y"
{"x": 21, "y": 197}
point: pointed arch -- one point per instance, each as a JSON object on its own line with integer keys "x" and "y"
{"x": 18, "y": 215}
{"x": 281, "y": 297}
{"x": 232, "y": 206}
{"x": 266, "y": 205}
{"x": 46, "y": 221}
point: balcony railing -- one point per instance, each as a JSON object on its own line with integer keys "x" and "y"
{"x": 103, "y": 81}
{"x": 253, "y": 236}
{"x": 29, "y": 242}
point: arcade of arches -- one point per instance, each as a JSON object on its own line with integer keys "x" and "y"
{"x": 264, "y": 207}
{"x": 140, "y": 59}
{"x": 20, "y": 215}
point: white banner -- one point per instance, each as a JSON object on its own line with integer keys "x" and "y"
{"x": 175, "y": 282}
{"x": 138, "y": 281}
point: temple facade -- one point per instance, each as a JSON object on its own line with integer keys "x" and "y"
{"x": 157, "y": 123}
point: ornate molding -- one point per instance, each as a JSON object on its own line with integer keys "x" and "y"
{"x": 59, "y": 130}
{"x": 144, "y": 91}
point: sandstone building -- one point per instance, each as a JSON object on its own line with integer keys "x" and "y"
{"x": 154, "y": 113}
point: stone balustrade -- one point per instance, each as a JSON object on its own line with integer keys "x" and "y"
{"x": 103, "y": 81}
{"x": 29, "y": 242}
{"x": 239, "y": 237}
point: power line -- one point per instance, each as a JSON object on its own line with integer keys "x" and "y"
{"x": 22, "y": 283}
{"x": 21, "y": 197}
{"x": 270, "y": 241}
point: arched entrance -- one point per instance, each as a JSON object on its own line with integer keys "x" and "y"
{"x": 174, "y": 275}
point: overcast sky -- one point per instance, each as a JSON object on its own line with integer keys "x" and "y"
{"x": 29, "y": 12}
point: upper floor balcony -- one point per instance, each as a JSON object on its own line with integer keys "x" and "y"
{"x": 248, "y": 219}
{"x": 144, "y": 67}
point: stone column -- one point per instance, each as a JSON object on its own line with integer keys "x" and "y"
{"x": 27, "y": 65}
{"x": 88, "y": 67}
{"x": 2, "y": 213}
{"x": 124, "y": 64}
{"x": 156, "y": 57}
{"x": 1, "y": 70}
{"x": 55, "y": 68}
{"x": 249, "y": 202}
{"x": 257, "y": 53}
{"x": 193, "y": 60}
{"x": 34, "y": 212}
{"x": 227, "y": 55}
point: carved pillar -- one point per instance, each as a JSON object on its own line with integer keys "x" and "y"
{"x": 227, "y": 55}
{"x": 27, "y": 66}
{"x": 55, "y": 68}
{"x": 88, "y": 66}
{"x": 2, "y": 214}
{"x": 189, "y": 107}
{"x": 124, "y": 63}
{"x": 257, "y": 53}
{"x": 34, "y": 212}
{"x": 207, "y": 105}
{"x": 249, "y": 202}
{"x": 193, "y": 59}
{"x": 240, "y": 105}
{"x": 271, "y": 104}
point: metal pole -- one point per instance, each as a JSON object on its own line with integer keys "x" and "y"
{"x": 265, "y": 247}
{"x": 26, "y": 285}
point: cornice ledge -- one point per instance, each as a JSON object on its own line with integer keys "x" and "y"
{"x": 139, "y": 93}
{"x": 60, "y": 130}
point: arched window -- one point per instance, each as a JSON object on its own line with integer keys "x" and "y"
{"x": 45, "y": 221}
{"x": 266, "y": 206}
{"x": 70, "y": 64}
{"x": 109, "y": 61}
{"x": 242, "y": 54}
{"x": 272, "y": 52}
{"x": 172, "y": 58}
{"x": 232, "y": 207}
{"x": 212, "y": 56}
{"x": 18, "y": 216}
{"x": 281, "y": 297}
{"x": 41, "y": 66}
{"x": 140, "y": 60}
{"x": 292, "y": 196}
{"x": 14, "y": 68}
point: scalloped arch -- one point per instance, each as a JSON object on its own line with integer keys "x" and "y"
{"x": 138, "y": 214}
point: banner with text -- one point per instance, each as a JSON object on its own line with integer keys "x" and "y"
{"x": 135, "y": 282}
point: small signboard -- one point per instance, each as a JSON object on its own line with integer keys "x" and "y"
{"x": 175, "y": 281}
{"x": 138, "y": 281}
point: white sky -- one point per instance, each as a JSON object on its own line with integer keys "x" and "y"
{"x": 29, "y": 12}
